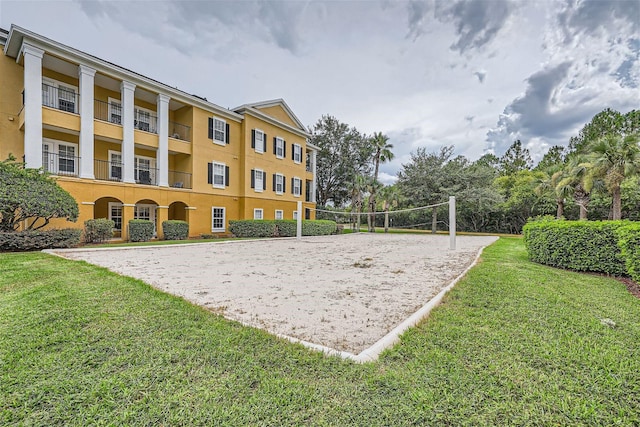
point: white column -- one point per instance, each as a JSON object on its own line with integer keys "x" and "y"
{"x": 162, "y": 156}
{"x": 127, "y": 90}
{"x": 32, "y": 105}
{"x": 86, "y": 75}
{"x": 313, "y": 168}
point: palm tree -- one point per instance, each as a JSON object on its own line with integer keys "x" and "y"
{"x": 576, "y": 182}
{"x": 382, "y": 153}
{"x": 614, "y": 158}
{"x": 548, "y": 184}
{"x": 358, "y": 186}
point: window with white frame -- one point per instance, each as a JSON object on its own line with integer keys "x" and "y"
{"x": 219, "y": 175}
{"x": 145, "y": 120}
{"x": 258, "y": 213}
{"x": 115, "y": 111}
{"x": 217, "y": 218}
{"x": 279, "y": 147}
{"x": 115, "y": 215}
{"x": 279, "y": 183}
{"x": 144, "y": 170}
{"x": 295, "y": 215}
{"x": 259, "y": 141}
{"x": 296, "y": 186}
{"x": 279, "y": 214}
{"x": 59, "y": 95}
{"x": 218, "y": 131}
{"x": 115, "y": 165}
{"x": 258, "y": 180}
{"x": 297, "y": 153}
{"x": 59, "y": 157}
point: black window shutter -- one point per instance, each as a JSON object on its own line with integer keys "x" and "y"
{"x": 264, "y": 180}
{"x": 210, "y": 174}
{"x": 253, "y": 178}
{"x": 293, "y": 152}
{"x": 226, "y": 132}
{"x": 275, "y": 142}
{"x": 291, "y": 185}
{"x": 226, "y": 176}
{"x": 264, "y": 140}
{"x": 284, "y": 149}
{"x": 284, "y": 184}
{"x": 210, "y": 127}
{"x": 274, "y": 182}
{"x": 253, "y": 139}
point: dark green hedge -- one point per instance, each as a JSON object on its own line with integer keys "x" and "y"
{"x": 140, "y": 230}
{"x": 175, "y": 230}
{"x": 34, "y": 240}
{"x": 576, "y": 245}
{"x": 98, "y": 230}
{"x": 281, "y": 228}
{"x": 629, "y": 243}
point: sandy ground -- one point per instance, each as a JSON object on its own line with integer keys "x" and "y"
{"x": 344, "y": 292}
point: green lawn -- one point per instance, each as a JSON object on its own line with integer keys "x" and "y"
{"x": 515, "y": 343}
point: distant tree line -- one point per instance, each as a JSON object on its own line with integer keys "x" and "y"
{"x": 596, "y": 177}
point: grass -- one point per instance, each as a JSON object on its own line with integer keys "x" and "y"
{"x": 515, "y": 343}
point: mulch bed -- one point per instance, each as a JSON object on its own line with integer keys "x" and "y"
{"x": 632, "y": 286}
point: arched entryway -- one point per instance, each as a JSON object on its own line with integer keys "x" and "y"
{"x": 110, "y": 208}
{"x": 147, "y": 209}
{"x": 178, "y": 211}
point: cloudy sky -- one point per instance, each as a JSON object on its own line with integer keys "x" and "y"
{"x": 469, "y": 73}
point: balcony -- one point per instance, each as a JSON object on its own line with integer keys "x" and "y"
{"x": 146, "y": 176}
{"x": 107, "y": 171}
{"x": 179, "y": 131}
{"x": 145, "y": 121}
{"x": 60, "y": 163}
{"x": 179, "y": 179}
{"x": 60, "y": 98}
{"x": 108, "y": 112}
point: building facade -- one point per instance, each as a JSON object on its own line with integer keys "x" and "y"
{"x": 128, "y": 147}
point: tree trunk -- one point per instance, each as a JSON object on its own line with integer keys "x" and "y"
{"x": 434, "y": 220}
{"x": 372, "y": 215}
{"x": 386, "y": 217}
{"x": 560, "y": 212}
{"x": 617, "y": 203}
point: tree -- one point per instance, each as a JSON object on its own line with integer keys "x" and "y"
{"x": 605, "y": 123}
{"x": 344, "y": 153}
{"x": 554, "y": 157}
{"x": 577, "y": 183}
{"x": 515, "y": 159}
{"x": 612, "y": 159}
{"x": 548, "y": 185}
{"x": 381, "y": 153}
{"x": 32, "y": 198}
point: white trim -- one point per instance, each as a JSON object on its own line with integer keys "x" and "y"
{"x": 55, "y": 144}
{"x": 88, "y": 203}
{"x": 279, "y": 211}
{"x": 266, "y": 118}
{"x": 153, "y": 127}
{"x": 281, "y": 176}
{"x": 109, "y": 160}
{"x": 55, "y": 103}
{"x": 299, "y": 180}
{"x": 224, "y": 219}
{"x": 255, "y": 211}
{"x": 112, "y": 204}
{"x": 113, "y": 101}
{"x": 255, "y": 180}
{"x": 222, "y": 142}
{"x": 297, "y": 148}
{"x": 295, "y": 214}
{"x": 279, "y": 139}
{"x": 213, "y": 167}
{"x": 272, "y": 103}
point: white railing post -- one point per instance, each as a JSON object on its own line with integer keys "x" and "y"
{"x": 452, "y": 222}
{"x": 299, "y": 223}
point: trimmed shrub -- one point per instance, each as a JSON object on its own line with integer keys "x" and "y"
{"x": 175, "y": 229}
{"x": 140, "y": 230}
{"x": 575, "y": 245}
{"x": 98, "y": 230}
{"x": 321, "y": 227}
{"x": 629, "y": 243}
{"x": 34, "y": 240}
{"x": 253, "y": 228}
{"x": 287, "y": 227}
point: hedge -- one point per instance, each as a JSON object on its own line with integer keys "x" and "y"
{"x": 98, "y": 230}
{"x": 576, "y": 245}
{"x": 280, "y": 228}
{"x": 140, "y": 230}
{"x": 175, "y": 230}
{"x": 34, "y": 240}
{"x": 629, "y": 243}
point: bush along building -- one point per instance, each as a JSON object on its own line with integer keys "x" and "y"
{"x": 128, "y": 147}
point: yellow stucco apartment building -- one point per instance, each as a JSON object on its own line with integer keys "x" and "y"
{"x": 126, "y": 146}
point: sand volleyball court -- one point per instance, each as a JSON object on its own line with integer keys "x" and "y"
{"x": 344, "y": 292}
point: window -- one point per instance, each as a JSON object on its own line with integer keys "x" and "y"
{"x": 115, "y": 165}
{"x": 148, "y": 212}
{"x": 218, "y": 175}
{"x": 115, "y": 111}
{"x": 218, "y": 131}
{"x": 258, "y": 140}
{"x": 296, "y": 186}
{"x": 59, "y": 95}
{"x": 59, "y": 158}
{"x": 258, "y": 181}
{"x": 115, "y": 215}
{"x": 278, "y": 147}
{"x": 278, "y": 183}
{"x": 144, "y": 170}
{"x": 144, "y": 120}
{"x": 295, "y": 215}
{"x": 217, "y": 219}
{"x": 279, "y": 214}
{"x": 258, "y": 214}
{"x": 297, "y": 153}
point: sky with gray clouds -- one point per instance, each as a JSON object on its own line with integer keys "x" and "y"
{"x": 476, "y": 74}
